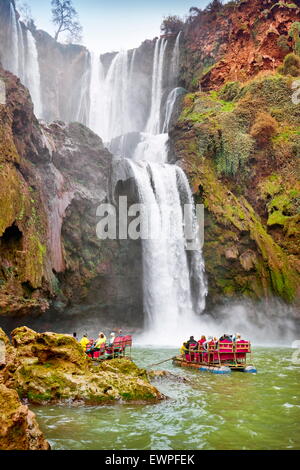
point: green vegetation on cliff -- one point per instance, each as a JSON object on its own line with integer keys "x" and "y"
{"x": 22, "y": 225}
{"x": 240, "y": 146}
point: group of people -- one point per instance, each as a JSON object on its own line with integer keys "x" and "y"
{"x": 203, "y": 343}
{"x": 90, "y": 345}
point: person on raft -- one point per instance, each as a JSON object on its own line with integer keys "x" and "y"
{"x": 100, "y": 341}
{"x": 84, "y": 342}
{"x": 93, "y": 347}
{"x": 226, "y": 337}
{"x": 112, "y": 339}
{"x": 184, "y": 349}
{"x": 192, "y": 343}
{"x": 191, "y": 349}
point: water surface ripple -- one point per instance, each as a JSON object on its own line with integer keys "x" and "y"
{"x": 238, "y": 411}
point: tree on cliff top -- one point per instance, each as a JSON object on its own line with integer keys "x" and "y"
{"x": 171, "y": 25}
{"x": 26, "y": 15}
{"x": 214, "y": 6}
{"x": 65, "y": 17}
{"x": 212, "y": 9}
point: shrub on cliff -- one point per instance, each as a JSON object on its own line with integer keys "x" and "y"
{"x": 234, "y": 151}
{"x": 294, "y": 33}
{"x": 214, "y": 7}
{"x": 230, "y": 91}
{"x": 291, "y": 65}
{"x": 171, "y": 25}
{"x": 264, "y": 128}
{"x": 283, "y": 44}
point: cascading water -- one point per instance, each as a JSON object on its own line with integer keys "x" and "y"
{"x": 125, "y": 105}
{"x": 175, "y": 63}
{"x": 19, "y": 56}
{"x": 152, "y": 148}
{"x": 168, "y": 294}
{"x": 174, "y": 287}
{"x": 112, "y": 111}
{"x": 171, "y": 101}
{"x": 81, "y": 97}
{"x": 11, "y": 61}
{"x": 32, "y": 74}
{"x": 154, "y": 122}
{"x": 97, "y": 79}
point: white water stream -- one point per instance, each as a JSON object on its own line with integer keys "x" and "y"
{"x": 19, "y": 55}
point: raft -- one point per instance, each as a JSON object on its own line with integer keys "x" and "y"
{"x": 220, "y": 357}
{"x": 214, "y": 368}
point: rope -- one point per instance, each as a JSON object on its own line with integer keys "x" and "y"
{"x": 162, "y": 362}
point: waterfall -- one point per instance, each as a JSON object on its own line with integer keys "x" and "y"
{"x": 174, "y": 284}
{"x": 96, "y": 91}
{"x": 173, "y": 81}
{"x": 113, "y": 112}
{"x": 154, "y": 122}
{"x": 19, "y": 55}
{"x": 11, "y": 59}
{"x": 32, "y": 77}
{"x": 166, "y": 275}
{"x": 169, "y": 297}
{"x": 81, "y": 96}
{"x": 21, "y": 50}
{"x": 171, "y": 101}
{"x": 117, "y": 93}
{"x": 152, "y": 148}
{"x": 175, "y": 63}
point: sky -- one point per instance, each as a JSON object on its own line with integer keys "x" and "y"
{"x": 111, "y": 25}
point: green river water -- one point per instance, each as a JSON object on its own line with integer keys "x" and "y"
{"x": 215, "y": 412}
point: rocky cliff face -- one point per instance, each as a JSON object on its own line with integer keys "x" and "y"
{"x": 239, "y": 143}
{"x": 65, "y": 79}
{"x": 53, "y": 178}
{"x": 91, "y": 274}
{"x": 237, "y": 41}
{"x": 238, "y": 140}
{"x": 25, "y": 275}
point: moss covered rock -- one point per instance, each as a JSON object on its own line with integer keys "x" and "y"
{"x": 23, "y": 227}
{"x": 53, "y": 368}
{"x": 243, "y": 162}
{"x": 18, "y": 426}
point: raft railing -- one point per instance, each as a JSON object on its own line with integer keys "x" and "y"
{"x": 118, "y": 349}
{"x": 236, "y": 353}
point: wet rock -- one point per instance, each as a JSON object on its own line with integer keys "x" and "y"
{"x": 164, "y": 374}
{"x": 46, "y": 347}
{"x": 19, "y": 429}
{"x": 232, "y": 253}
{"x": 248, "y": 260}
{"x": 52, "y": 368}
{"x": 8, "y": 358}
